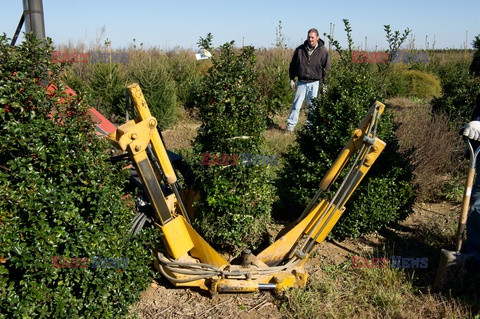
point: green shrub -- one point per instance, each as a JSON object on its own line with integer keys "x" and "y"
{"x": 75, "y": 75}
{"x": 235, "y": 199}
{"x": 412, "y": 83}
{"x": 194, "y": 96}
{"x": 396, "y": 84}
{"x": 157, "y": 85}
{"x": 459, "y": 92}
{"x": 422, "y": 85}
{"x": 60, "y": 197}
{"x": 107, "y": 81}
{"x": 182, "y": 68}
{"x": 386, "y": 194}
{"x": 475, "y": 65}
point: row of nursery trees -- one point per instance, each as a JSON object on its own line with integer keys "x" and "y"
{"x": 172, "y": 79}
{"x": 62, "y": 198}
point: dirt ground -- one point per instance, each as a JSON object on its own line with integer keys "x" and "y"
{"x": 165, "y": 301}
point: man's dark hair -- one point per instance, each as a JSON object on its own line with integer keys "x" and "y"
{"x": 313, "y": 30}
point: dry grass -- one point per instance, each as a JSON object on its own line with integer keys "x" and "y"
{"x": 276, "y": 140}
{"x": 344, "y": 292}
{"x": 340, "y": 291}
{"x": 437, "y": 149}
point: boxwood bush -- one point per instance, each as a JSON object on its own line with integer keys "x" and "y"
{"x": 235, "y": 197}
{"x": 61, "y": 200}
{"x": 386, "y": 193}
{"x": 414, "y": 83}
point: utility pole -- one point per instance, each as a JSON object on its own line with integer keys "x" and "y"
{"x": 33, "y": 13}
{"x": 32, "y": 16}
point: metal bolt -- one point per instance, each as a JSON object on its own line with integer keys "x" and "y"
{"x": 152, "y": 123}
{"x": 133, "y": 136}
{"x": 137, "y": 148}
{"x": 368, "y": 160}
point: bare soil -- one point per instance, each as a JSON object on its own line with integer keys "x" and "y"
{"x": 412, "y": 238}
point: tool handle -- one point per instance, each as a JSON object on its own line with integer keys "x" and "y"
{"x": 465, "y": 206}
{"x": 467, "y": 192}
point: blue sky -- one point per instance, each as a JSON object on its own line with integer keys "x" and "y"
{"x": 170, "y": 24}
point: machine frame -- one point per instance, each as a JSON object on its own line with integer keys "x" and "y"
{"x": 190, "y": 261}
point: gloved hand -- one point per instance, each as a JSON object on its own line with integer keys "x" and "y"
{"x": 292, "y": 84}
{"x": 471, "y": 130}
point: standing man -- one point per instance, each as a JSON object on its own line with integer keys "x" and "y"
{"x": 472, "y": 131}
{"x": 310, "y": 64}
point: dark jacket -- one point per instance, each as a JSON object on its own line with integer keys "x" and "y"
{"x": 310, "y": 68}
{"x": 476, "y": 111}
{"x": 475, "y": 117}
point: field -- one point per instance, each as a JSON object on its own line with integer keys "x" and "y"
{"x": 406, "y": 209}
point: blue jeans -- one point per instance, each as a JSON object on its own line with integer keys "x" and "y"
{"x": 473, "y": 221}
{"x": 304, "y": 90}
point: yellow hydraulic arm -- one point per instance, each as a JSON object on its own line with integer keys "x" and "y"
{"x": 140, "y": 138}
{"x": 191, "y": 261}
